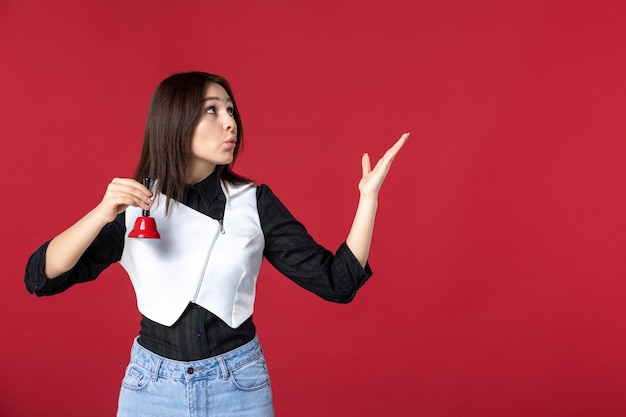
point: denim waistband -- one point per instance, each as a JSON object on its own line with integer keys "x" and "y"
{"x": 161, "y": 367}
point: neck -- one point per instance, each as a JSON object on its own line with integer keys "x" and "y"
{"x": 198, "y": 175}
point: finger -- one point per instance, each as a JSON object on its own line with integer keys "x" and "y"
{"x": 119, "y": 201}
{"x": 124, "y": 191}
{"x": 386, "y": 160}
{"x": 392, "y": 152}
{"x": 400, "y": 143}
{"x": 129, "y": 182}
{"x": 366, "y": 164}
{"x": 131, "y": 187}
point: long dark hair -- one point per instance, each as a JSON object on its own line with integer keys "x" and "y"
{"x": 174, "y": 112}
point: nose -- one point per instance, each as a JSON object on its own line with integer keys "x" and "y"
{"x": 229, "y": 124}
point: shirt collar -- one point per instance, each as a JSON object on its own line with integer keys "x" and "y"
{"x": 203, "y": 193}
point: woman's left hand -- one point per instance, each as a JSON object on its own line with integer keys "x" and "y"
{"x": 372, "y": 179}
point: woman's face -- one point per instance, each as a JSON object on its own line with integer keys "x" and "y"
{"x": 215, "y": 137}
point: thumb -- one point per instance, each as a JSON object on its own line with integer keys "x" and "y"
{"x": 365, "y": 164}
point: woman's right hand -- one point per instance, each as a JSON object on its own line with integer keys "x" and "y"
{"x": 66, "y": 248}
{"x": 121, "y": 193}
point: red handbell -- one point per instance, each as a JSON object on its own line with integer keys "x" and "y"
{"x": 145, "y": 226}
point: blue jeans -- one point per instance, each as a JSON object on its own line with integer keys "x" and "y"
{"x": 233, "y": 384}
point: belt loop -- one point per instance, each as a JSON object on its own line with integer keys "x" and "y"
{"x": 225, "y": 371}
{"x": 157, "y": 368}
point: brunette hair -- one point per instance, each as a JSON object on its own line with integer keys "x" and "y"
{"x": 174, "y": 112}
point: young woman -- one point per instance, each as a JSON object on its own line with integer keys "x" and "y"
{"x": 197, "y": 348}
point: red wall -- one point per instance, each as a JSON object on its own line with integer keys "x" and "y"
{"x": 498, "y": 285}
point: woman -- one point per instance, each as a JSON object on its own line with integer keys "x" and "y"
{"x": 195, "y": 287}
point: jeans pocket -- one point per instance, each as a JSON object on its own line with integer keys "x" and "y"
{"x": 252, "y": 376}
{"x": 136, "y": 378}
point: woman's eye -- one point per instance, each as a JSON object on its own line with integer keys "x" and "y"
{"x": 210, "y": 110}
{"x": 231, "y": 111}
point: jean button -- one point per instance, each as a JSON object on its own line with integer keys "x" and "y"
{"x": 190, "y": 370}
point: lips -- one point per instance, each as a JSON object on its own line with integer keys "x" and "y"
{"x": 231, "y": 142}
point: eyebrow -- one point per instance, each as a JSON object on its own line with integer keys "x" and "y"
{"x": 217, "y": 98}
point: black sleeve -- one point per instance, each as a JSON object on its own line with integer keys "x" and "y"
{"x": 293, "y": 252}
{"x": 103, "y": 251}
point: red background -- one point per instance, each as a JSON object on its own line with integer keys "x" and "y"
{"x": 498, "y": 262}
